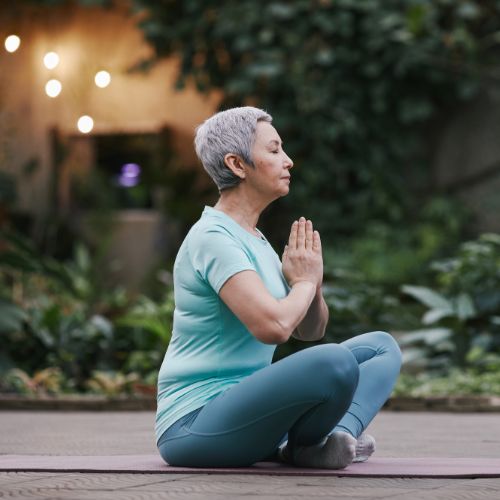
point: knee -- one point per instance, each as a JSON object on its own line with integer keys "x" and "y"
{"x": 338, "y": 366}
{"x": 387, "y": 344}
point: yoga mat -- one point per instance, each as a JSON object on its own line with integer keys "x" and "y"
{"x": 375, "y": 467}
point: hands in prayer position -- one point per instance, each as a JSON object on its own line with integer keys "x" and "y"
{"x": 303, "y": 259}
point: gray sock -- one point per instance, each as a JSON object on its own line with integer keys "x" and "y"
{"x": 364, "y": 447}
{"x": 335, "y": 452}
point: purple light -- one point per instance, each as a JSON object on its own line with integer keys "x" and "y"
{"x": 125, "y": 181}
{"x": 131, "y": 170}
{"x": 129, "y": 175}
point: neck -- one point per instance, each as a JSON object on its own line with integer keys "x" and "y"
{"x": 241, "y": 207}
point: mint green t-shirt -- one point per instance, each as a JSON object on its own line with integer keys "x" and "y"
{"x": 211, "y": 349}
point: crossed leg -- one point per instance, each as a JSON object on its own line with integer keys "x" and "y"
{"x": 305, "y": 395}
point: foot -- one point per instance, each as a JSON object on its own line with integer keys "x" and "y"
{"x": 364, "y": 448}
{"x": 336, "y": 452}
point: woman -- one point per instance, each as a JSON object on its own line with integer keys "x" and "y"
{"x": 220, "y": 400}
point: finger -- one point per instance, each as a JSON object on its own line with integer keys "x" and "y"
{"x": 316, "y": 241}
{"x": 301, "y": 233}
{"x": 309, "y": 235}
{"x": 285, "y": 251}
{"x": 292, "y": 240}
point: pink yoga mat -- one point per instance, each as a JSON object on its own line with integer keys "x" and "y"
{"x": 375, "y": 467}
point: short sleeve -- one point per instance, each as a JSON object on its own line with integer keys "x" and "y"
{"x": 217, "y": 255}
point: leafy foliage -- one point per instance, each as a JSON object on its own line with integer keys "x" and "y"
{"x": 485, "y": 380}
{"x": 47, "y": 381}
{"x": 111, "y": 384}
{"x": 387, "y": 254}
{"x": 357, "y": 306}
{"x": 57, "y": 315}
{"x": 466, "y": 301}
{"x": 353, "y": 86}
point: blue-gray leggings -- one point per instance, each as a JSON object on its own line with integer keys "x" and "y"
{"x": 303, "y": 397}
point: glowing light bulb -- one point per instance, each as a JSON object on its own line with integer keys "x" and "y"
{"x": 51, "y": 60}
{"x": 12, "y": 43}
{"x": 85, "y": 124}
{"x": 53, "y": 88}
{"x": 102, "y": 79}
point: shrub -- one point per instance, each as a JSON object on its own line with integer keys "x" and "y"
{"x": 465, "y": 301}
{"x": 57, "y": 316}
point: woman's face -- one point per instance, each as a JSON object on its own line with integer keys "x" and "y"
{"x": 271, "y": 175}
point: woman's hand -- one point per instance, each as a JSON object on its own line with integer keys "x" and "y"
{"x": 302, "y": 259}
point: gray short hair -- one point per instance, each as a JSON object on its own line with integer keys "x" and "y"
{"x": 229, "y": 131}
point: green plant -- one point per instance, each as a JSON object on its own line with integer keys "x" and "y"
{"x": 52, "y": 314}
{"x": 146, "y": 327}
{"x": 426, "y": 349}
{"x": 111, "y": 383}
{"x": 387, "y": 254}
{"x": 355, "y": 87}
{"x": 466, "y": 301}
{"x": 12, "y": 317}
{"x": 73, "y": 341}
{"x": 357, "y": 307}
{"x": 47, "y": 381}
{"x": 151, "y": 317}
{"x": 455, "y": 383}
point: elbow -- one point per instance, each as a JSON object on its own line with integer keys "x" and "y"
{"x": 321, "y": 332}
{"x": 309, "y": 336}
{"x": 318, "y": 336}
{"x": 321, "y": 336}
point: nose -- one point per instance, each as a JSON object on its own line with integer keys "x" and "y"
{"x": 288, "y": 162}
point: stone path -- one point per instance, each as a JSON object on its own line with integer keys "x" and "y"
{"x": 99, "y": 433}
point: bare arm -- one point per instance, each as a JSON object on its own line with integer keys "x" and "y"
{"x": 271, "y": 320}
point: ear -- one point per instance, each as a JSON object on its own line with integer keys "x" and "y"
{"x": 236, "y": 165}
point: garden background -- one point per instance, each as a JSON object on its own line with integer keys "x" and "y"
{"x": 390, "y": 110}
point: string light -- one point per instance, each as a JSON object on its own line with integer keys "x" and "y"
{"x": 85, "y": 124}
{"x": 12, "y": 43}
{"x": 53, "y": 88}
{"x": 102, "y": 79}
{"x": 51, "y": 60}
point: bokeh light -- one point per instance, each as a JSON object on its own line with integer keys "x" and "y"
{"x": 129, "y": 175}
{"x": 53, "y": 88}
{"x": 12, "y": 43}
{"x": 85, "y": 124}
{"x": 102, "y": 79}
{"x": 51, "y": 60}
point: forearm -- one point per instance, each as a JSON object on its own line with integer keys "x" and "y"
{"x": 291, "y": 310}
{"x": 313, "y": 326}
